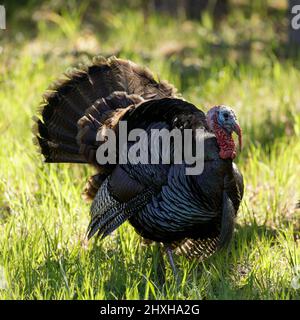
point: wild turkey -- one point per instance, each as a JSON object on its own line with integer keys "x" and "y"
{"x": 191, "y": 214}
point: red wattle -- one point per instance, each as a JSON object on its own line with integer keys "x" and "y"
{"x": 225, "y": 142}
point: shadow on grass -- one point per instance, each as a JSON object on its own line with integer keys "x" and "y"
{"x": 112, "y": 273}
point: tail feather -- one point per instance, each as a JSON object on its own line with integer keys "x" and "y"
{"x": 65, "y": 100}
{"x": 75, "y": 107}
{"x": 57, "y": 133}
{"x": 58, "y": 152}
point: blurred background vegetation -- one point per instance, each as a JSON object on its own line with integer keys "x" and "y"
{"x": 237, "y": 30}
{"x": 235, "y": 52}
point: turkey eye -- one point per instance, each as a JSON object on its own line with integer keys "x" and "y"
{"x": 226, "y": 115}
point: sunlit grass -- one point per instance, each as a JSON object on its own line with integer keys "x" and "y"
{"x": 43, "y": 218}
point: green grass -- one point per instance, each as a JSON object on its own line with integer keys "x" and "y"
{"x": 43, "y": 218}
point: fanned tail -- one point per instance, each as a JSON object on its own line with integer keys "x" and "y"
{"x": 88, "y": 92}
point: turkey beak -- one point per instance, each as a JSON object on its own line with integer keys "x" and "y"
{"x": 237, "y": 129}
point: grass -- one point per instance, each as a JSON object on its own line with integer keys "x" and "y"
{"x": 43, "y": 218}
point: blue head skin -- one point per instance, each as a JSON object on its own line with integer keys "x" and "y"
{"x": 227, "y": 119}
